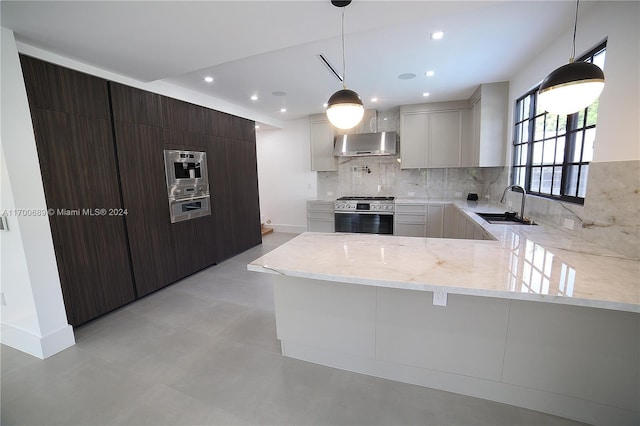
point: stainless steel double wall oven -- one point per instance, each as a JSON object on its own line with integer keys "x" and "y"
{"x": 187, "y": 184}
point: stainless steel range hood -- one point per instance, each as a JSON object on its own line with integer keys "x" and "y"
{"x": 381, "y": 143}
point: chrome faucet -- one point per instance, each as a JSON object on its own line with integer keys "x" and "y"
{"x": 524, "y": 197}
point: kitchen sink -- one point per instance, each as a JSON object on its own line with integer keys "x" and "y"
{"x": 506, "y": 218}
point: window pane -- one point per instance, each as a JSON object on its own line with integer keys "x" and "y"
{"x": 546, "y": 180}
{"x": 562, "y": 125}
{"x": 549, "y": 151}
{"x": 560, "y": 150}
{"x": 550, "y": 127}
{"x": 537, "y": 153}
{"x": 526, "y": 103}
{"x": 525, "y": 130}
{"x": 577, "y": 151}
{"x": 539, "y": 130}
{"x": 521, "y": 176}
{"x": 580, "y": 122}
{"x": 582, "y": 187}
{"x": 572, "y": 181}
{"x": 535, "y": 179}
{"x": 589, "y": 141}
{"x": 519, "y": 132}
{"x": 557, "y": 178}
{"x": 525, "y": 152}
{"x": 592, "y": 113}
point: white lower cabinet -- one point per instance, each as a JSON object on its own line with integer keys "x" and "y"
{"x": 419, "y": 220}
{"x": 320, "y": 216}
{"x": 458, "y": 225}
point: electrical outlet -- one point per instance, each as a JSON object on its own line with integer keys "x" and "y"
{"x": 568, "y": 223}
{"x": 329, "y": 193}
{"x": 458, "y": 194}
{"x": 411, "y": 193}
{"x": 440, "y": 298}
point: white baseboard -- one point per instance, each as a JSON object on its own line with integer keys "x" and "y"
{"x": 39, "y": 346}
{"x": 289, "y": 229}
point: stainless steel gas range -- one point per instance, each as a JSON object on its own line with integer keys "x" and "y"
{"x": 365, "y": 215}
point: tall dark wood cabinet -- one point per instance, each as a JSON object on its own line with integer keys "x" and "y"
{"x": 100, "y": 146}
{"x": 72, "y": 126}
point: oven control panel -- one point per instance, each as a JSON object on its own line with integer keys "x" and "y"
{"x": 361, "y": 206}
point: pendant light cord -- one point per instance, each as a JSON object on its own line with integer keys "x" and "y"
{"x": 575, "y": 27}
{"x": 344, "y": 66}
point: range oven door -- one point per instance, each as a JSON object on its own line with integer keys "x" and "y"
{"x": 364, "y": 223}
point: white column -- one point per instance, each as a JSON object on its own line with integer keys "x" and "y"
{"x": 33, "y": 316}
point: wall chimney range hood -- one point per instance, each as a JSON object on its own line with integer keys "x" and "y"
{"x": 363, "y": 144}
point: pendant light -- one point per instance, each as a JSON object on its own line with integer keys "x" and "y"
{"x": 573, "y": 86}
{"x": 344, "y": 108}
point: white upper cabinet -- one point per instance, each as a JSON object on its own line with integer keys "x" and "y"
{"x": 431, "y": 134}
{"x": 469, "y": 133}
{"x": 322, "y": 159}
{"x": 487, "y": 125}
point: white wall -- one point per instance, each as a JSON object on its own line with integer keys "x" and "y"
{"x": 285, "y": 179}
{"x": 617, "y": 137}
{"x": 34, "y": 318}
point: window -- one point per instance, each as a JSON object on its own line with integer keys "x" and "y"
{"x": 551, "y": 153}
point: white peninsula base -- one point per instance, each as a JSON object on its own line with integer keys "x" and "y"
{"x": 571, "y": 361}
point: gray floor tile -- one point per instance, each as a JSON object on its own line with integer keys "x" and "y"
{"x": 204, "y": 352}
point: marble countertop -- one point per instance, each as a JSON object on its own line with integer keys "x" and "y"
{"x": 535, "y": 263}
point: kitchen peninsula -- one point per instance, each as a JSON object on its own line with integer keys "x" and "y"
{"x": 533, "y": 319}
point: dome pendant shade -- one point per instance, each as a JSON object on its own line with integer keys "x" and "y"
{"x": 571, "y": 88}
{"x": 345, "y": 109}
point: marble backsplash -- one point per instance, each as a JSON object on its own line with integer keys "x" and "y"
{"x": 382, "y": 176}
{"x": 610, "y": 216}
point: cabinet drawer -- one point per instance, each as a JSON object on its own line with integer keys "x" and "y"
{"x": 411, "y": 208}
{"x": 314, "y": 225}
{"x": 320, "y": 215}
{"x": 320, "y": 206}
{"x": 410, "y": 218}
{"x": 410, "y": 230}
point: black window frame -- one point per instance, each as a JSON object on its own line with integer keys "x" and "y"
{"x": 568, "y": 166}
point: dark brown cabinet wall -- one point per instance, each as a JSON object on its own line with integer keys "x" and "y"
{"x": 72, "y": 126}
{"x": 101, "y": 143}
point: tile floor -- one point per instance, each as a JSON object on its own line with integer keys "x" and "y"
{"x": 204, "y": 352}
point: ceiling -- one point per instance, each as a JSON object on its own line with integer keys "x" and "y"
{"x": 261, "y": 47}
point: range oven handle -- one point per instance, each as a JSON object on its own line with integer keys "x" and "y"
{"x": 365, "y": 212}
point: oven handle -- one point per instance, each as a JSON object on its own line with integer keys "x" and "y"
{"x": 180, "y": 200}
{"x": 366, "y": 212}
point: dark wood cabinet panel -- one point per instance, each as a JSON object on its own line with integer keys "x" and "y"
{"x": 79, "y": 172}
{"x": 242, "y": 129}
{"x": 135, "y": 106}
{"x": 194, "y": 245}
{"x": 183, "y": 116}
{"x": 144, "y": 194}
{"x": 55, "y": 88}
{"x": 217, "y": 123}
{"x": 234, "y": 189}
{"x": 244, "y": 189}
{"x": 175, "y": 139}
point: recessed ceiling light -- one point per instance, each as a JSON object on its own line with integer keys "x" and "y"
{"x": 283, "y": 110}
{"x": 208, "y": 79}
{"x": 325, "y": 104}
{"x": 254, "y": 97}
{"x": 407, "y": 76}
{"x": 374, "y": 99}
{"x": 429, "y": 73}
{"x": 437, "y": 35}
{"x": 257, "y": 126}
{"x": 425, "y": 94}
{"x": 279, "y": 93}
